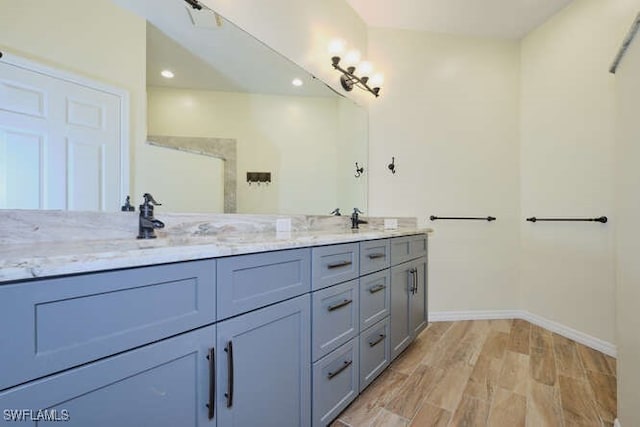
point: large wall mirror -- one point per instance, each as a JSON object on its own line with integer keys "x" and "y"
{"x": 232, "y": 131}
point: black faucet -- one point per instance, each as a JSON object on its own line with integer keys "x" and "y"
{"x": 336, "y": 212}
{"x": 355, "y": 221}
{"x": 147, "y": 223}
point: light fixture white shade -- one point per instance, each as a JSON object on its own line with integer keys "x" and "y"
{"x": 377, "y": 80}
{"x": 167, "y": 74}
{"x": 365, "y": 68}
{"x": 296, "y": 82}
{"x": 336, "y": 47}
{"x": 352, "y": 58}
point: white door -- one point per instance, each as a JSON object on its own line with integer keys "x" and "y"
{"x": 60, "y": 143}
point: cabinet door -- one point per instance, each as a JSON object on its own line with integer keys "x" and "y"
{"x": 264, "y": 367}
{"x": 161, "y": 384}
{"x": 401, "y": 284}
{"x": 418, "y": 299}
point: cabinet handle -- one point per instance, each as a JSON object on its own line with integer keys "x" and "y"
{"x": 212, "y": 382}
{"x": 378, "y": 341}
{"x": 375, "y": 256}
{"x": 344, "y": 366}
{"x": 229, "y": 393}
{"x": 339, "y": 264}
{"x": 339, "y": 305}
{"x": 415, "y": 281}
{"x": 377, "y": 288}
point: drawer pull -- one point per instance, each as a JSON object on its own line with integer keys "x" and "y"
{"x": 340, "y": 305}
{"x": 346, "y": 364}
{"x": 377, "y": 288}
{"x": 339, "y": 264}
{"x": 229, "y": 393}
{"x": 413, "y": 272}
{"x": 212, "y": 382}
{"x": 376, "y": 256}
{"x": 378, "y": 341}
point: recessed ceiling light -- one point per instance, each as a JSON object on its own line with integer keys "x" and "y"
{"x": 296, "y": 82}
{"x": 167, "y": 74}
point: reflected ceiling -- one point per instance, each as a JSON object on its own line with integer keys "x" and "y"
{"x": 205, "y": 51}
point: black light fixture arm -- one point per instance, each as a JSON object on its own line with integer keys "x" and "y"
{"x": 349, "y": 79}
{"x": 194, "y": 4}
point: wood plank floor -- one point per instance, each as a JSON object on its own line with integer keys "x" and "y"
{"x": 490, "y": 373}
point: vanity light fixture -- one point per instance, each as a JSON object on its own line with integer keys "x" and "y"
{"x": 296, "y": 82}
{"x": 350, "y": 63}
{"x": 167, "y": 74}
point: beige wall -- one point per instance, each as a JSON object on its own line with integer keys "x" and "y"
{"x": 68, "y": 35}
{"x": 294, "y": 138}
{"x": 628, "y": 235}
{"x": 567, "y": 164}
{"x": 449, "y": 116}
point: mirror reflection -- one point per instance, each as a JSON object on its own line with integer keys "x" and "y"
{"x": 218, "y": 121}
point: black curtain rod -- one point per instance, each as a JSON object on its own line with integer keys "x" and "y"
{"x": 602, "y": 219}
{"x": 469, "y": 218}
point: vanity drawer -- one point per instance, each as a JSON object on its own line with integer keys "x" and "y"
{"x": 247, "y": 282}
{"x": 375, "y": 298}
{"x": 375, "y": 352}
{"x": 375, "y": 255}
{"x": 334, "y": 264}
{"x": 59, "y": 323}
{"x": 335, "y": 383}
{"x": 407, "y": 248}
{"x": 335, "y": 317}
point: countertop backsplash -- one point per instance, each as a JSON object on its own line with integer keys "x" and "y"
{"x": 34, "y": 226}
{"x": 53, "y": 243}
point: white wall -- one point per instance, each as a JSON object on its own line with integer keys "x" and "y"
{"x": 449, "y": 116}
{"x": 628, "y": 235}
{"x": 294, "y": 138}
{"x": 567, "y": 164}
{"x": 68, "y": 35}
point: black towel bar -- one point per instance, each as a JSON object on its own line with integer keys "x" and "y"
{"x": 602, "y": 219}
{"x": 468, "y": 218}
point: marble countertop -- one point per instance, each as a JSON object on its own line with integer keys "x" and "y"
{"x": 27, "y": 260}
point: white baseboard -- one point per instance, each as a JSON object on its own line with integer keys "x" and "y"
{"x": 449, "y": 316}
{"x": 616, "y": 423}
{"x": 573, "y": 334}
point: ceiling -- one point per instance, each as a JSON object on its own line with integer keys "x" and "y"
{"x": 510, "y": 19}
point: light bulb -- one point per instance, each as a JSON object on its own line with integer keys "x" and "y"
{"x": 336, "y": 47}
{"x": 352, "y": 58}
{"x": 296, "y": 82}
{"x": 167, "y": 74}
{"x": 365, "y": 68}
{"x": 377, "y": 80}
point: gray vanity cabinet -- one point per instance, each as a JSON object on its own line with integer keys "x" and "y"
{"x": 408, "y": 303}
{"x": 336, "y": 380}
{"x": 49, "y": 325}
{"x": 161, "y": 384}
{"x": 264, "y": 367}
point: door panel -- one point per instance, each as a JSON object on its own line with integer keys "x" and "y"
{"x": 161, "y": 384}
{"x": 78, "y": 166}
{"x": 418, "y": 300}
{"x": 264, "y": 367}
{"x": 399, "y": 317}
